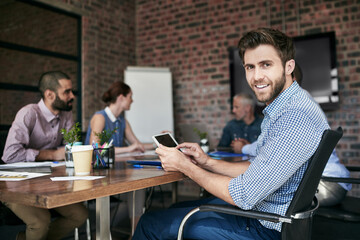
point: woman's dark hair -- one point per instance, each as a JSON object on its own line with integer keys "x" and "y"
{"x": 115, "y": 90}
{"x": 282, "y": 43}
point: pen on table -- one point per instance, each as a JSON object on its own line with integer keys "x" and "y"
{"x": 137, "y": 166}
{"x": 149, "y": 166}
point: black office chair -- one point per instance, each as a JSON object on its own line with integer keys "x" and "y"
{"x": 297, "y": 221}
{"x": 341, "y": 221}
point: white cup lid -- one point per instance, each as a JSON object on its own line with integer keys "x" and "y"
{"x": 81, "y": 148}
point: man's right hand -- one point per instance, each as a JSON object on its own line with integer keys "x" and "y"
{"x": 238, "y": 144}
{"x": 197, "y": 155}
{"x": 52, "y": 155}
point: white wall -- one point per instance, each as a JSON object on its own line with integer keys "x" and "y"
{"x": 152, "y": 109}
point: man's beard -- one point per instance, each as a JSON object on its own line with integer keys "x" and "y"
{"x": 278, "y": 87}
{"x": 60, "y": 105}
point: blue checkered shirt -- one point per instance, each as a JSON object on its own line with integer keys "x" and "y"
{"x": 290, "y": 133}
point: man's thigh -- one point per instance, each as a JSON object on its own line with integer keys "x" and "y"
{"x": 30, "y": 215}
{"x": 164, "y": 224}
{"x": 211, "y": 225}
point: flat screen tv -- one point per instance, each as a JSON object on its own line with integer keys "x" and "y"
{"x": 316, "y": 56}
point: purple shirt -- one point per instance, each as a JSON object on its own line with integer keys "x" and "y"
{"x": 35, "y": 128}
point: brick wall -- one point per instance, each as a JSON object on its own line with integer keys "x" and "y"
{"x": 30, "y": 26}
{"x": 108, "y": 48}
{"x": 192, "y": 37}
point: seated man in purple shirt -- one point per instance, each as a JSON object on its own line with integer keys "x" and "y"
{"x": 35, "y": 136}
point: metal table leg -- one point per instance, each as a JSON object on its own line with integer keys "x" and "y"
{"x": 133, "y": 214}
{"x": 174, "y": 191}
{"x": 103, "y": 218}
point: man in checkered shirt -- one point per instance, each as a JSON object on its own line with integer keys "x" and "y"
{"x": 290, "y": 134}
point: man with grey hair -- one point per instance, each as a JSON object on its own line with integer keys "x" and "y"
{"x": 35, "y": 136}
{"x": 245, "y": 125}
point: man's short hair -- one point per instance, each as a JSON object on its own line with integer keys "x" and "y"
{"x": 246, "y": 99}
{"x": 50, "y": 80}
{"x": 282, "y": 43}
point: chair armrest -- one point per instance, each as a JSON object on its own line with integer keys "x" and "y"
{"x": 233, "y": 210}
{"x": 244, "y": 213}
{"x": 341, "y": 180}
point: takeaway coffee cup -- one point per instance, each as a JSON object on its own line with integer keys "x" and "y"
{"x": 68, "y": 155}
{"x": 82, "y": 157}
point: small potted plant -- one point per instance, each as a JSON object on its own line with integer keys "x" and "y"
{"x": 71, "y": 138}
{"x": 105, "y": 136}
{"x": 204, "y": 142}
{"x": 104, "y": 154}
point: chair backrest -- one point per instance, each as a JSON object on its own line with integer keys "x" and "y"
{"x": 3, "y": 136}
{"x": 301, "y": 228}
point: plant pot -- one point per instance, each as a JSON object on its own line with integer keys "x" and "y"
{"x": 204, "y": 144}
{"x": 69, "y": 162}
{"x": 103, "y": 157}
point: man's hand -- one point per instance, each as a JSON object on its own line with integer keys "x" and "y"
{"x": 59, "y": 154}
{"x": 171, "y": 158}
{"x": 238, "y": 144}
{"x": 51, "y": 155}
{"x": 195, "y": 152}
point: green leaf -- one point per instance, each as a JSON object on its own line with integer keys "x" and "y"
{"x": 72, "y": 135}
{"x": 202, "y": 135}
{"x": 105, "y": 135}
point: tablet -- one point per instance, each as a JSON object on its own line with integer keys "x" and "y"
{"x": 165, "y": 139}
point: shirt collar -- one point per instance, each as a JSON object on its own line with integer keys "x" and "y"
{"x": 110, "y": 114}
{"x": 280, "y": 100}
{"x": 49, "y": 116}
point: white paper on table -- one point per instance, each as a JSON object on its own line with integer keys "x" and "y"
{"x": 19, "y": 176}
{"x": 135, "y": 154}
{"x": 25, "y": 165}
{"x": 32, "y": 164}
{"x": 69, "y": 178}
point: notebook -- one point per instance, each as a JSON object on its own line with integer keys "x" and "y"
{"x": 145, "y": 162}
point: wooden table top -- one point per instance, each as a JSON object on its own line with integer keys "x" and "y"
{"x": 44, "y": 193}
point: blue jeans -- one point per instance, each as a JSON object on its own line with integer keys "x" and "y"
{"x": 164, "y": 224}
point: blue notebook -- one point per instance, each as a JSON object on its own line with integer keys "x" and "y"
{"x": 144, "y": 162}
{"x": 225, "y": 154}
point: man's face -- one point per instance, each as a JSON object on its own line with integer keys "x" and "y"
{"x": 239, "y": 109}
{"x": 265, "y": 73}
{"x": 64, "y": 96}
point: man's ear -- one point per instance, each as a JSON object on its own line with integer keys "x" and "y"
{"x": 50, "y": 95}
{"x": 289, "y": 66}
{"x": 247, "y": 108}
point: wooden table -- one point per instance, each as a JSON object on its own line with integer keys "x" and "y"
{"x": 121, "y": 178}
